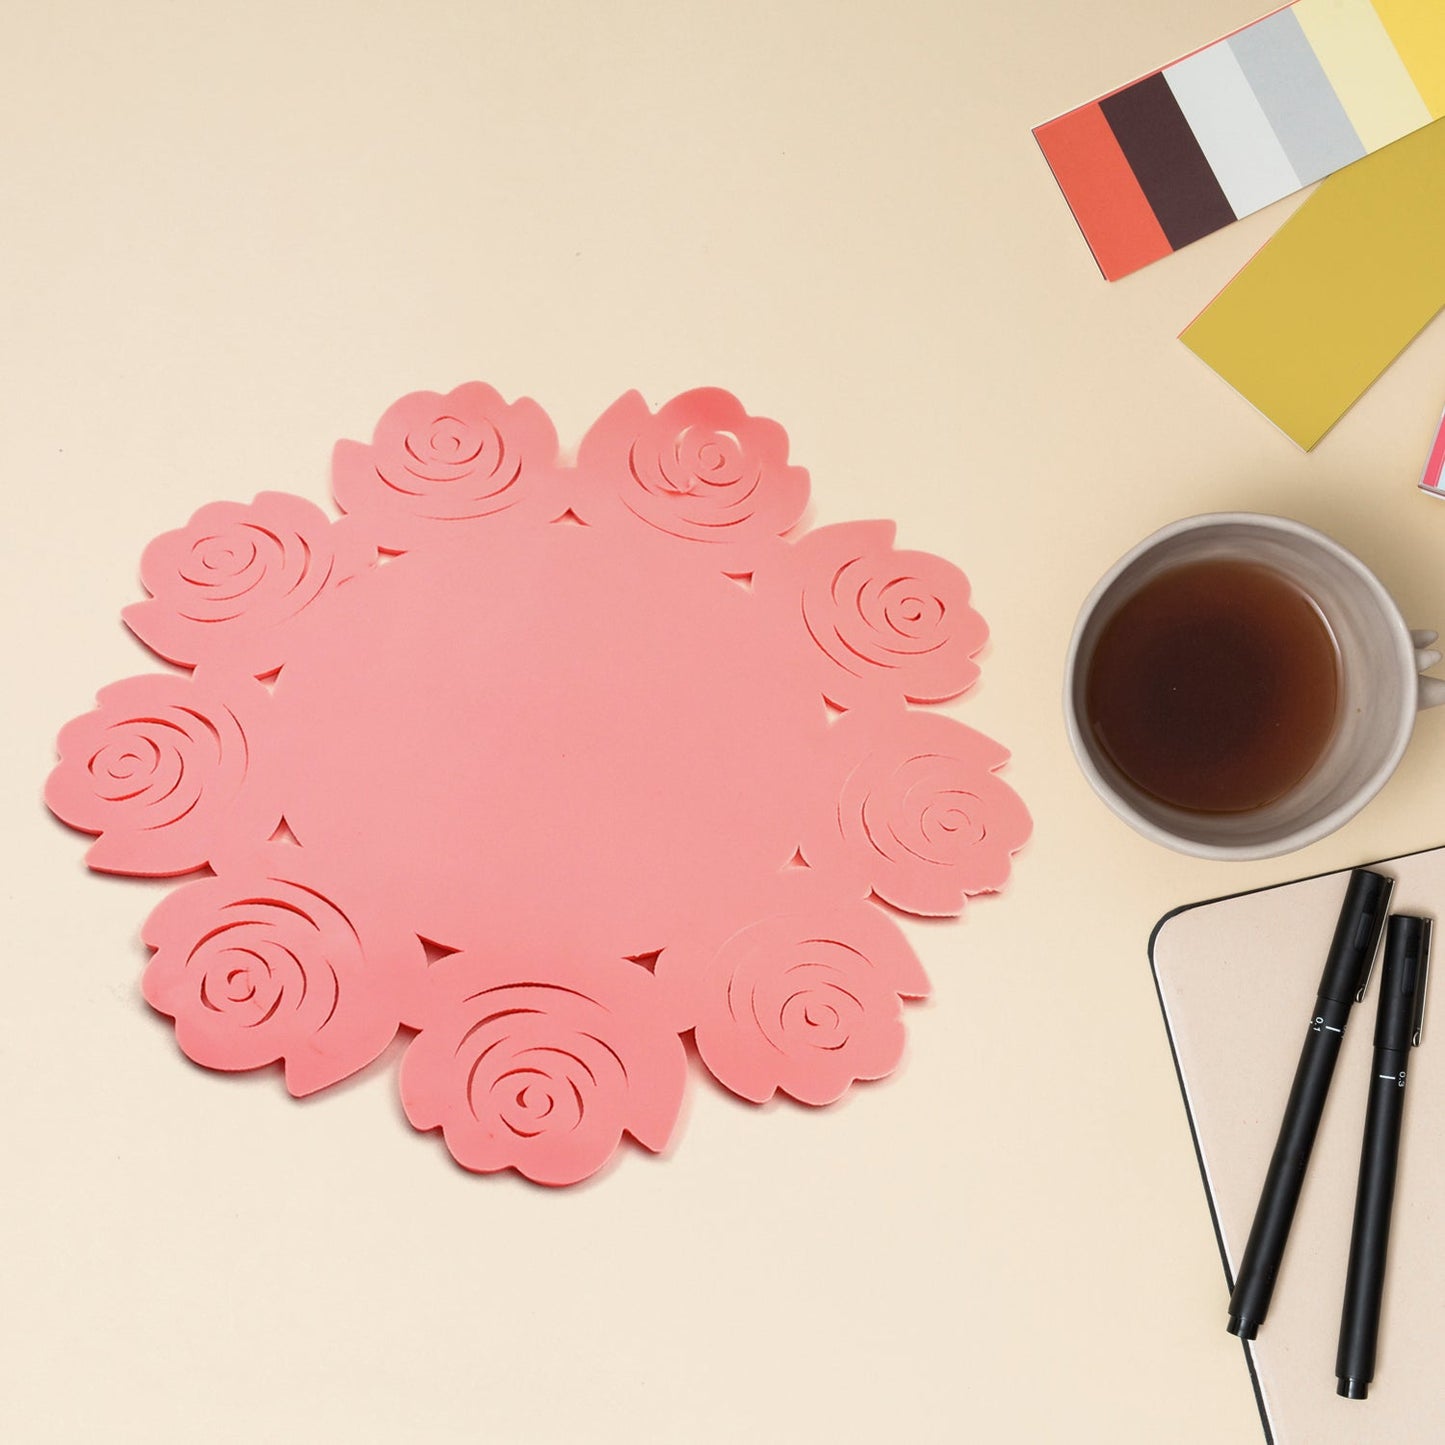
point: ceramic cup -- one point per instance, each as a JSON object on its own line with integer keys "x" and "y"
{"x": 1380, "y": 692}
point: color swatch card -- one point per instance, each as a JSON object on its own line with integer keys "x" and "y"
{"x": 1334, "y": 297}
{"x": 1236, "y": 980}
{"x": 1244, "y": 122}
{"x": 1434, "y": 479}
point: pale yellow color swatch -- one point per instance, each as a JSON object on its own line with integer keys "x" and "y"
{"x": 1418, "y": 29}
{"x": 1349, "y": 280}
{"x": 1364, "y": 67}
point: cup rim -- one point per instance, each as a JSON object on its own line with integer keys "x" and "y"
{"x": 1301, "y": 837}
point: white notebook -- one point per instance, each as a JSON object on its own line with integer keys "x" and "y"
{"x": 1237, "y": 979}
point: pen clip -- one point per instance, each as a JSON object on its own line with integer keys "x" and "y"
{"x": 1360, "y": 932}
{"x": 1422, "y": 977}
{"x": 1367, "y": 968}
{"x": 1364, "y": 932}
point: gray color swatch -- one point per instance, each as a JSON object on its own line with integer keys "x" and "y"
{"x": 1296, "y": 95}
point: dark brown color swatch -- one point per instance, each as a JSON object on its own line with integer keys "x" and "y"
{"x": 1166, "y": 160}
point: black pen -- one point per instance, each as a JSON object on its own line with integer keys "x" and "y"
{"x": 1398, "y": 1019}
{"x": 1347, "y": 970}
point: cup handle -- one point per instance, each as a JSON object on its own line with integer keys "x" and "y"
{"x": 1432, "y": 689}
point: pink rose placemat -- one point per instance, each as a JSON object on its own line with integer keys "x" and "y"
{"x": 551, "y": 765}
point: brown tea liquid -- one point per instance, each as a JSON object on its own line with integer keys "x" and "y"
{"x": 1214, "y": 687}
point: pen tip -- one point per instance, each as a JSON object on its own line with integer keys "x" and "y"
{"x": 1245, "y": 1329}
{"x": 1353, "y": 1389}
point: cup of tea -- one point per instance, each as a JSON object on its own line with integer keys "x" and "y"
{"x": 1239, "y": 685}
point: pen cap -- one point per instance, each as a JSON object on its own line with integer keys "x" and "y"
{"x": 1401, "y": 1010}
{"x": 1357, "y": 935}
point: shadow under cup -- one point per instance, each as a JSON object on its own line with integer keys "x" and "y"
{"x": 1375, "y": 711}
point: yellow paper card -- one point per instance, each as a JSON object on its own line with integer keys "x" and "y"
{"x": 1417, "y": 28}
{"x": 1343, "y": 287}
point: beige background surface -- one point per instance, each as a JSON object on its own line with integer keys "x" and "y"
{"x": 233, "y": 234}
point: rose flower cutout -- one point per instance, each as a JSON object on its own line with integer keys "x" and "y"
{"x": 161, "y": 771}
{"x": 699, "y": 469}
{"x": 228, "y": 585}
{"x": 887, "y": 623}
{"x": 923, "y": 820}
{"x": 542, "y": 1072}
{"x": 257, "y": 967}
{"x": 808, "y": 1000}
{"x": 437, "y": 460}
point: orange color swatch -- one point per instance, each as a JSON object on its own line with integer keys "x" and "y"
{"x": 1101, "y": 189}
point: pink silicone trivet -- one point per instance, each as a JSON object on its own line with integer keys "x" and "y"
{"x": 550, "y": 764}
